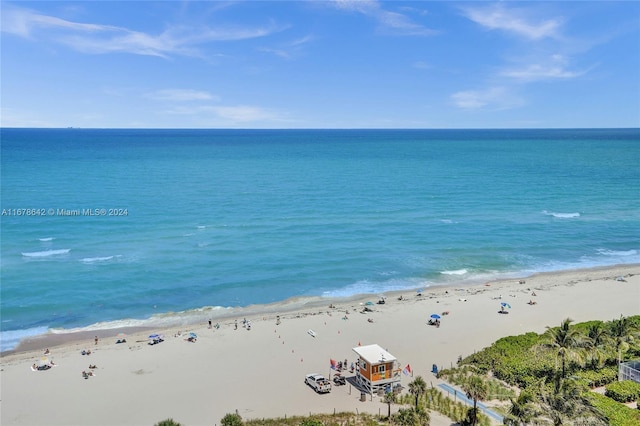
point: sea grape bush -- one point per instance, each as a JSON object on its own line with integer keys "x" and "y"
{"x": 597, "y": 378}
{"x": 625, "y": 391}
{"x": 617, "y": 414}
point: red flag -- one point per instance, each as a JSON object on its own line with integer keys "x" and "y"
{"x": 334, "y": 364}
{"x": 407, "y": 370}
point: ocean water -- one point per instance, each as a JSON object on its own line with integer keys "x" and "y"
{"x": 104, "y": 228}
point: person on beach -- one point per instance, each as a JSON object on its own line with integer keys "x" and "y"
{"x": 278, "y": 320}
{"x": 96, "y": 340}
{"x": 46, "y": 352}
{"x": 235, "y": 324}
{"x": 209, "y": 323}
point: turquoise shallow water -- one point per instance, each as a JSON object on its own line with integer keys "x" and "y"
{"x": 238, "y": 217}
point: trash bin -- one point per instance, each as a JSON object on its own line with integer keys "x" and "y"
{"x": 363, "y": 396}
{"x": 380, "y": 392}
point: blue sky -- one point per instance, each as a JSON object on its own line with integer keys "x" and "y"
{"x": 320, "y": 64}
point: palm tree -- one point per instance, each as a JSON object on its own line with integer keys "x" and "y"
{"x": 521, "y": 411}
{"x": 476, "y": 389}
{"x": 623, "y": 332}
{"x": 566, "y": 405}
{"x": 418, "y": 387}
{"x": 411, "y": 417}
{"x": 596, "y": 341}
{"x": 566, "y": 340}
{"x": 389, "y": 398}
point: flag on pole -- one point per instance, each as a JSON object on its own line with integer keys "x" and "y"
{"x": 334, "y": 364}
{"x": 407, "y": 370}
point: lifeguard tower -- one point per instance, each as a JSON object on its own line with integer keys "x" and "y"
{"x": 377, "y": 370}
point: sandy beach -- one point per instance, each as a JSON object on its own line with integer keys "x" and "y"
{"x": 259, "y": 372}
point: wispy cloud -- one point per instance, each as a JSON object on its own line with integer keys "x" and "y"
{"x": 288, "y": 50}
{"x": 181, "y": 95}
{"x": 388, "y": 20}
{"x": 422, "y": 65}
{"x": 514, "y": 20}
{"x": 498, "y": 97}
{"x": 231, "y": 114}
{"x": 100, "y": 39}
{"x": 554, "y": 68}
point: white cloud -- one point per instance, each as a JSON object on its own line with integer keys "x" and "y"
{"x": 98, "y": 39}
{"x": 422, "y": 65}
{"x": 553, "y": 68}
{"x": 180, "y": 95}
{"x": 498, "y": 17}
{"x": 290, "y": 49}
{"x": 243, "y": 113}
{"x": 491, "y": 98}
{"x": 393, "y": 21}
{"x": 229, "y": 115}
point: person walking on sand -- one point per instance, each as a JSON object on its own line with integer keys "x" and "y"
{"x": 209, "y": 323}
{"x": 235, "y": 324}
{"x": 96, "y": 339}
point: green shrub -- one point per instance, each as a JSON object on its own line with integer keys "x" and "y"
{"x": 597, "y": 378}
{"x": 231, "y": 420}
{"x": 311, "y": 422}
{"x": 616, "y": 413}
{"x": 167, "y": 422}
{"x": 625, "y": 391}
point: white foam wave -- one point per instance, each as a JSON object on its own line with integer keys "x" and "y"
{"x": 561, "y": 215}
{"x": 370, "y": 287}
{"x": 606, "y": 252}
{"x": 201, "y": 227}
{"x": 166, "y": 319}
{"x": 47, "y": 239}
{"x": 46, "y": 253}
{"x": 455, "y": 272}
{"x": 10, "y": 339}
{"x": 96, "y": 259}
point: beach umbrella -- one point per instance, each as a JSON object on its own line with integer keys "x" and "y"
{"x": 435, "y": 316}
{"x": 505, "y": 305}
{"x": 43, "y": 362}
{"x": 194, "y": 335}
{"x": 121, "y": 335}
{"x": 154, "y": 336}
{"x": 369, "y": 303}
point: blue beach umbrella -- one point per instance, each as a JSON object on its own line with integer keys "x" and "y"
{"x": 154, "y": 336}
{"x": 369, "y": 303}
{"x": 505, "y": 305}
{"x": 435, "y": 316}
{"x": 194, "y": 335}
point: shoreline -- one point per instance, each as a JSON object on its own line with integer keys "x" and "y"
{"x": 258, "y": 372}
{"x": 199, "y": 316}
